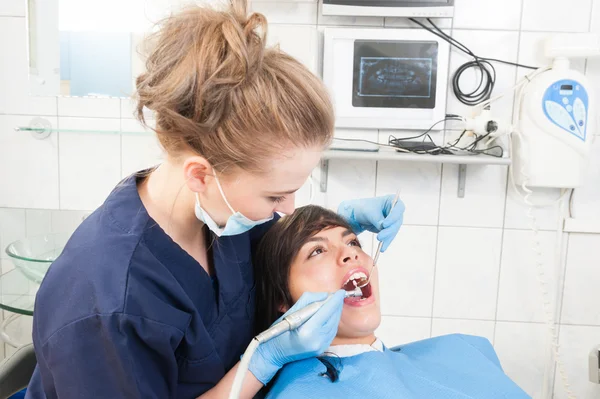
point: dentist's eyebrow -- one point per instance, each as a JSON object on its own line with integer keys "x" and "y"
{"x": 282, "y": 192}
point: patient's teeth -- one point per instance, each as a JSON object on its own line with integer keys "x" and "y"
{"x": 354, "y": 277}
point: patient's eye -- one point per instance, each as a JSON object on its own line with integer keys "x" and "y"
{"x": 316, "y": 251}
{"x": 354, "y": 243}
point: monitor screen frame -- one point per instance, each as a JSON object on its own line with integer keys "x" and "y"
{"x": 389, "y": 8}
{"x": 391, "y": 3}
{"x": 338, "y": 75}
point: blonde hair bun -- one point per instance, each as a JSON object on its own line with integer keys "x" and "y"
{"x": 216, "y": 89}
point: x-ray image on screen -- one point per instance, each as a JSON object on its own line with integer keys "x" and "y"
{"x": 395, "y": 77}
{"x": 394, "y": 74}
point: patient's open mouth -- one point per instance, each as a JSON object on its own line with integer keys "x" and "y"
{"x": 356, "y": 279}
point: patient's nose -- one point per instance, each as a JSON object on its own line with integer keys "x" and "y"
{"x": 349, "y": 255}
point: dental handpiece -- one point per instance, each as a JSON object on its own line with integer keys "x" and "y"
{"x": 290, "y": 322}
{"x": 299, "y": 317}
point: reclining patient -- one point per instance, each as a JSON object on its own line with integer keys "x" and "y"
{"x": 314, "y": 250}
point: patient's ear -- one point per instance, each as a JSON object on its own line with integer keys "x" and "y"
{"x": 283, "y": 308}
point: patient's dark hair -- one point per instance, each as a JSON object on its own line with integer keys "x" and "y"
{"x": 276, "y": 252}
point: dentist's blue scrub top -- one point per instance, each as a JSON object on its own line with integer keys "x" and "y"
{"x": 125, "y": 312}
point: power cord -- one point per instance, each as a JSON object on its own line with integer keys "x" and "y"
{"x": 487, "y": 80}
{"x": 539, "y": 261}
{"x": 429, "y": 147}
{"x": 450, "y": 148}
{"x": 543, "y": 284}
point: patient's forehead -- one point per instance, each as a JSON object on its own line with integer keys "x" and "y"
{"x": 334, "y": 233}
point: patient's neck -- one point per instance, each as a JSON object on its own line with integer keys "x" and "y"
{"x": 367, "y": 340}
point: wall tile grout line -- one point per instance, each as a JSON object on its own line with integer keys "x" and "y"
{"x": 437, "y": 244}
{"x": 58, "y": 154}
{"x": 404, "y": 224}
{"x": 559, "y": 323}
{"x": 586, "y": 60}
{"x": 565, "y": 271}
{"x": 502, "y": 234}
{"x": 120, "y": 139}
{"x": 373, "y": 239}
{"x": 541, "y": 323}
{"x": 476, "y": 227}
{"x": 589, "y": 28}
{"x": 506, "y": 187}
{"x": 454, "y": 28}
{"x": 89, "y": 117}
{"x": 516, "y": 69}
{"x": 439, "y": 215}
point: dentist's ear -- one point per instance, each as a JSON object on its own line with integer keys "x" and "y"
{"x": 196, "y": 170}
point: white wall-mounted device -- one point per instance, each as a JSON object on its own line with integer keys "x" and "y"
{"x": 386, "y": 78}
{"x": 390, "y": 8}
{"x": 556, "y": 118}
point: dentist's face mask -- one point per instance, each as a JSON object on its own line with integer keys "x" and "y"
{"x": 236, "y": 224}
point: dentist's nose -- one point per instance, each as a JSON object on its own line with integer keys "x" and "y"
{"x": 288, "y": 205}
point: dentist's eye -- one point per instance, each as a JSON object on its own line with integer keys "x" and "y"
{"x": 277, "y": 200}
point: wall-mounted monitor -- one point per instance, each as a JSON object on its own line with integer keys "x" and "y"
{"x": 386, "y": 78}
{"x": 390, "y": 8}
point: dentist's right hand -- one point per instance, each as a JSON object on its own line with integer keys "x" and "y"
{"x": 310, "y": 339}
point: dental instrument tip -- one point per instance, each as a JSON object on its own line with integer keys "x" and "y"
{"x": 356, "y": 293}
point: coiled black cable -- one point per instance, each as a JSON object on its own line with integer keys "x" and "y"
{"x": 487, "y": 80}
{"x": 486, "y": 85}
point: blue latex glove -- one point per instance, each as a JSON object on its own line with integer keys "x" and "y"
{"x": 375, "y": 215}
{"x": 309, "y": 340}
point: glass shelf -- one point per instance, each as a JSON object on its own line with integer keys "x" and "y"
{"x": 388, "y": 155}
{"x": 17, "y": 293}
{"x": 46, "y": 131}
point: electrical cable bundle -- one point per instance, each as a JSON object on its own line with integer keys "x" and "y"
{"x": 428, "y": 146}
{"x": 451, "y": 148}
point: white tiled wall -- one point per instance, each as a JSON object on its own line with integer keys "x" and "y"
{"x": 458, "y": 265}
{"x": 556, "y": 15}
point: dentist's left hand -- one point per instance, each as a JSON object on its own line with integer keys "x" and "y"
{"x": 377, "y": 215}
{"x": 310, "y": 339}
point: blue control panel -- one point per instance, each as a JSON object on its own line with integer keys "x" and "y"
{"x": 565, "y": 103}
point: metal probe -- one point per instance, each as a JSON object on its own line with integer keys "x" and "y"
{"x": 378, "y": 252}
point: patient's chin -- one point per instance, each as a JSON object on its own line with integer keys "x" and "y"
{"x": 359, "y": 324}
